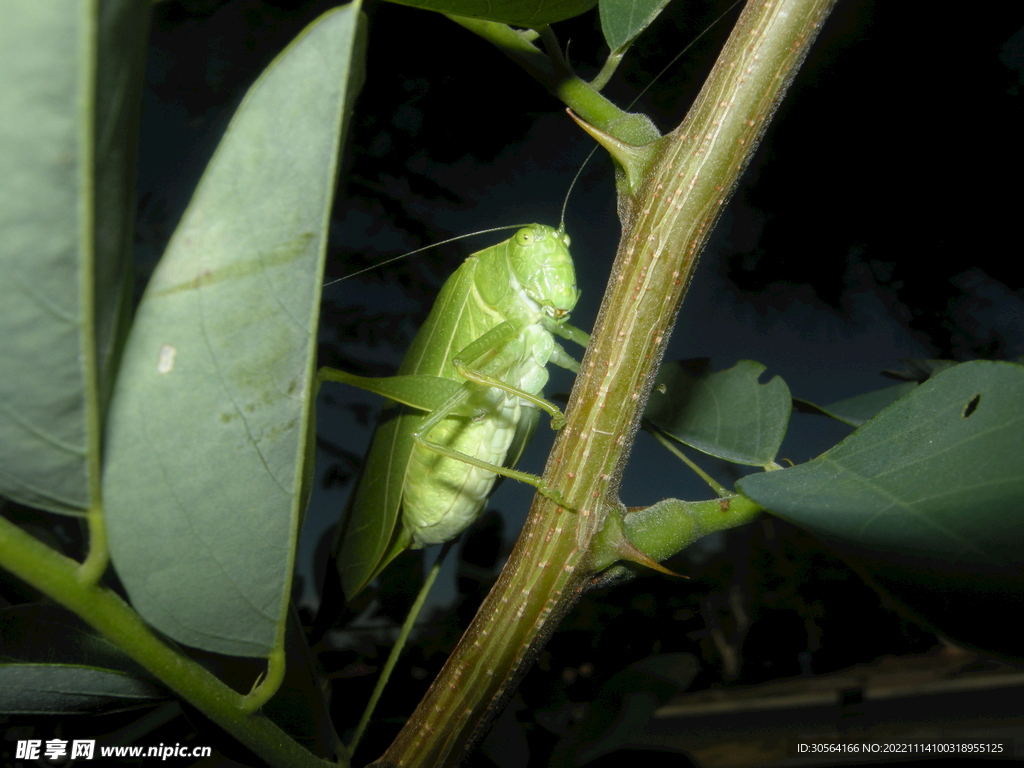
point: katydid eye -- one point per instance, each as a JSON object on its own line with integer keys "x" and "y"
{"x": 524, "y": 237}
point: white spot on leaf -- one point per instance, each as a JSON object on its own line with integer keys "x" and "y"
{"x": 165, "y": 363}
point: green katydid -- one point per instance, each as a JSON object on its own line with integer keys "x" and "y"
{"x": 466, "y": 399}
{"x": 478, "y": 365}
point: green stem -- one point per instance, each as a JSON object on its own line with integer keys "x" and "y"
{"x": 554, "y": 49}
{"x": 575, "y": 93}
{"x": 670, "y": 446}
{"x": 514, "y": 45}
{"x": 611, "y": 64}
{"x": 92, "y": 569}
{"x": 58, "y": 577}
{"x": 666, "y": 528}
{"x": 665, "y": 226}
{"x": 396, "y": 651}
{"x": 97, "y": 559}
{"x": 265, "y": 688}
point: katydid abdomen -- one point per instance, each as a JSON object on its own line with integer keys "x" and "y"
{"x": 444, "y": 495}
{"x": 491, "y": 332}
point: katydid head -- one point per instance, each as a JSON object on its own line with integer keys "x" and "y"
{"x": 541, "y": 263}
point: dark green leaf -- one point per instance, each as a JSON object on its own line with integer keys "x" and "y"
{"x": 919, "y": 369}
{"x": 519, "y": 13}
{"x": 726, "y": 414}
{"x": 856, "y": 410}
{"x": 54, "y": 689}
{"x": 51, "y": 662}
{"x": 48, "y": 634}
{"x": 939, "y": 473}
{"x": 925, "y": 501}
{"x": 70, "y": 85}
{"x": 622, "y": 21}
{"x": 207, "y": 434}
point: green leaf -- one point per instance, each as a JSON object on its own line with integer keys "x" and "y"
{"x": 920, "y": 369}
{"x": 59, "y": 689}
{"x": 39, "y": 633}
{"x": 727, "y": 414}
{"x": 925, "y": 502}
{"x": 939, "y": 473}
{"x": 70, "y": 88}
{"x": 51, "y": 662}
{"x": 856, "y": 410}
{"x": 207, "y": 432}
{"x": 519, "y": 13}
{"x": 622, "y": 21}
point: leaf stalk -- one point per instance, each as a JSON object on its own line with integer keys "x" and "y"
{"x": 57, "y": 576}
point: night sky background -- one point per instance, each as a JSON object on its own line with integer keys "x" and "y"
{"x": 879, "y": 220}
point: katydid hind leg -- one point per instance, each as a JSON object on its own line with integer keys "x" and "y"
{"x": 447, "y": 410}
{"x": 515, "y": 448}
{"x": 524, "y": 477}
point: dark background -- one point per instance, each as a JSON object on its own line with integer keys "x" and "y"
{"x": 878, "y": 220}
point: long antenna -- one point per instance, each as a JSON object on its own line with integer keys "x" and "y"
{"x": 425, "y": 248}
{"x": 565, "y": 200}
